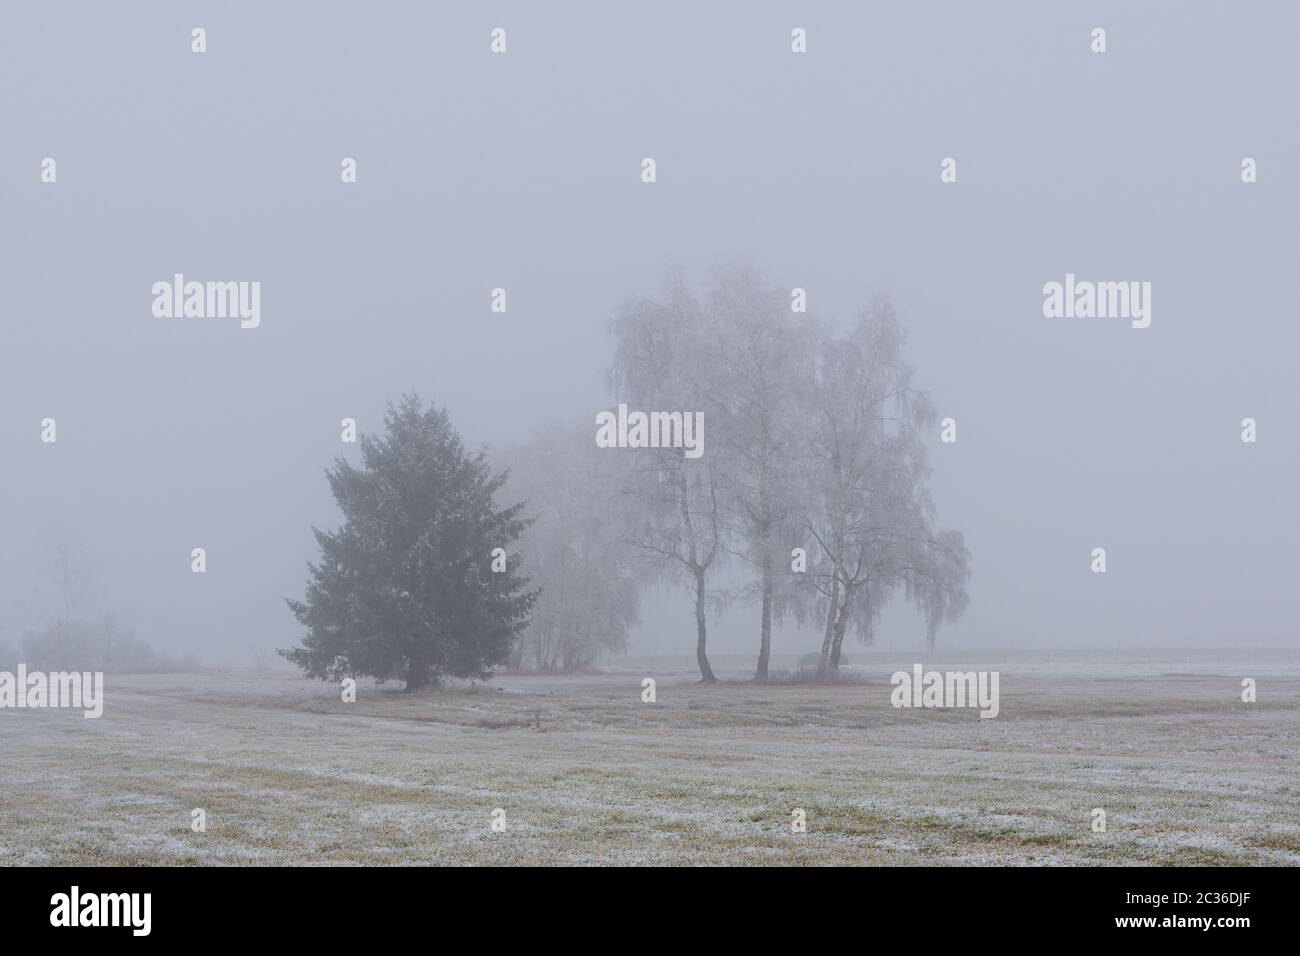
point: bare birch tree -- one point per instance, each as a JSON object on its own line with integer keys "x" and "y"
{"x": 672, "y": 508}
{"x": 867, "y": 461}
{"x": 758, "y": 355}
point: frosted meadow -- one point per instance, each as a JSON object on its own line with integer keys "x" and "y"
{"x": 586, "y": 772}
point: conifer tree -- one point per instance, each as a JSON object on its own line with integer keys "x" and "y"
{"x": 411, "y": 587}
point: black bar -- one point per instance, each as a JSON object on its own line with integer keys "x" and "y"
{"x": 331, "y": 905}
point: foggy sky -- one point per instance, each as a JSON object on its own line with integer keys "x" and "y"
{"x": 523, "y": 171}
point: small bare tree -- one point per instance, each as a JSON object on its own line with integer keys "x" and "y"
{"x": 589, "y": 597}
{"x": 68, "y": 577}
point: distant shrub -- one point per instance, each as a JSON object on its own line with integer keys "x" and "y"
{"x": 87, "y": 646}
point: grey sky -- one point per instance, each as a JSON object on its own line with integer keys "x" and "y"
{"x": 522, "y": 171}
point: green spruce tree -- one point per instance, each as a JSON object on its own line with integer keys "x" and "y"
{"x": 405, "y": 589}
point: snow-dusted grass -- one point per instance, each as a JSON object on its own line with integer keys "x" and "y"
{"x": 587, "y": 773}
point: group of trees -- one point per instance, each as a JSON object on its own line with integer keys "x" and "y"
{"x": 812, "y": 485}
{"x": 816, "y": 446}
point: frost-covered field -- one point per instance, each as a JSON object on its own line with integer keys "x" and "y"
{"x": 586, "y": 773}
